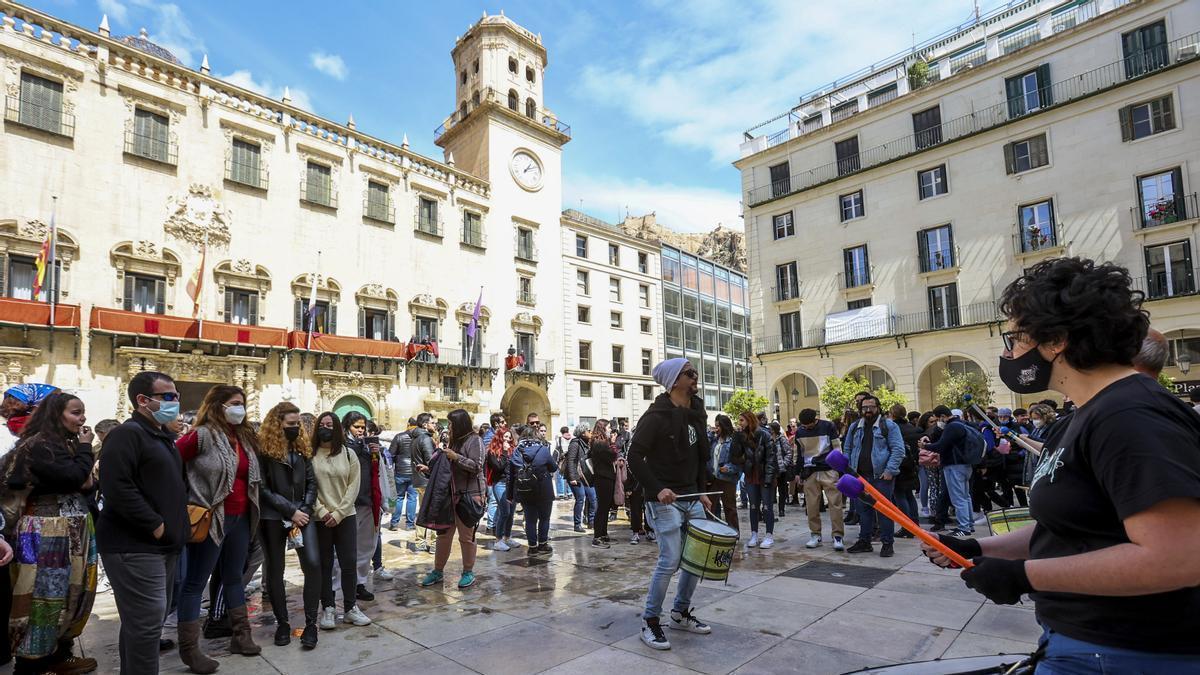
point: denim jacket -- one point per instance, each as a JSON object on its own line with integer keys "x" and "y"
{"x": 727, "y": 470}
{"x": 886, "y": 455}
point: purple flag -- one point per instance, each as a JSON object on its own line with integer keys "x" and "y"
{"x": 471, "y": 327}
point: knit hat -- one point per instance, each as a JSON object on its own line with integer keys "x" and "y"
{"x": 1004, "y": 412}
{"x": 668, "y": 371}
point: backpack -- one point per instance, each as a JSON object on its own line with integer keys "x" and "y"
{"x": 526, "y": 482}
{"x": 976, "y": 445}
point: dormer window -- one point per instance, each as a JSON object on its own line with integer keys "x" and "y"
{"x": 530, "y": 108}
{"x": 512, "y": 65}
{"x": 514, "y": 101}
{"x": 529, "y": 76}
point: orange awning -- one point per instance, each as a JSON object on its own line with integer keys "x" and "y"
{"x": 32, "y": 313}
{"x": 161, "y": 325}
{"x": 338, "y": 344}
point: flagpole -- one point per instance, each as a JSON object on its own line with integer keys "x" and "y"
{"x": 312, "y": 304}
{"x": 53, "y": 254}
{"x": 475, "y": 333}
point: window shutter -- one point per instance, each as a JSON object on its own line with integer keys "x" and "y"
{"x": 332, "y": 327}
{"x": 1012, "y": 92}
{"x": 923, "y": 249}
{"x": 128, "y": 300}
{"x": 1167, "y": 111}
{"x": 950, "y": 244}
{"x": 1178, "y": 198}
{"x": 848, "y": 265}
{"x": 1009, "y": 166}
{"x": 1045, "y": 87}
{"x": 1125, "y": 115}
{"x": 253, "y": 318}
{"x": 228, "y": 306}
{"x": 866, "y": 264}
{"x": 160, "y": 296}
{"x": 362, "y": 322}
{"x": 391, "y": 326}
{"x": 299, "y": 314}
{"x": 3, "y": 275}
{"x": 945, "y": 178}
{"x": 952, "y": 296}
{"x": 1040, "y": 151}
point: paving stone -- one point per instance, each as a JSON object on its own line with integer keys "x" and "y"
{"x": 600, "y": 620}
{"x": 726, "y": 649}
{"x": 518, "y": 649}
{"x": 839, "y": 573}
{"x": 932, "y": 610}
{"x": 780, "y": 618}
{"x": 425, "y": 663}
{"x": 613, "y": 660}
{"x": 817, "y": 593}
{"x": 1006, "y": 622}
{"x": 973, "y": 644}
{"x": 344, "y": 648}
{"x": 430, "y": 628}
{"x": 811, "y": 659}
{"x": 930, "y": 584}
{"x": 899, "y": 641}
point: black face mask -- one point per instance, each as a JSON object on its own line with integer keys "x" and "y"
{"x": 1029, "y": 373}
{"x": 291, "y": 433}
{"x": 324, "y": 434}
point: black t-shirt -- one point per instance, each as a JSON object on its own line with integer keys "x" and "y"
{"x": 865, "y": 466}
{"x": 1130, "y": 447}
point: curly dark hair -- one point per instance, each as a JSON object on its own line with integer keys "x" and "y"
{"x": 1092, "y": 307}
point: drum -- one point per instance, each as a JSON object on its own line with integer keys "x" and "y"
{"x": 708, "y": 549}
{"x": 1004, "y": 521}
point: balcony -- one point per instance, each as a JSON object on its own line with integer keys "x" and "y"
{"x": 1179, "y": 281}
{"x": 34, "y": 115}
{"x": 1020, "y": 39}
{"x": 1059, "y": 94}
{"x": 153, "y": 149}
{"x": 35, "y": 314}
{"x": 938, "y": 260}
{"x": 785, "y": 293}
{"x": 894, "y": 325}
{"x": 379, "y": 211}
{"x": 1072, "y": 17}
{"x": 527, "y": 298}
{"x": 492, "y": 98}
{"x": 423, "y": 224}
{"x": 318, "y": 193}
{"x": 252, "y": 175}
{"x": 971, "y": 59}
{"x": 535, "y": 366}
{"x": 350, "y": 346}
{"x": 464, "y": 359}
{"x": 1036, "y": 238}
{"x": 159, "y": 327}
{"x": 859, "y": 279}
{"x": 526, "y": 251}
{"x": 1174, "y": 209}
{"x": 474, "y": 238}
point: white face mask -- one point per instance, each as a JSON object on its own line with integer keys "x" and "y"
{"x": 1037, "y": 424}
{"x": 234, "y": 414}
{"x": 941, "y": 424}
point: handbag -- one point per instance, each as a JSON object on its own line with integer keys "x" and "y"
{"x": 12, "y": 501}
{"x": 200, "y": 519}
{"x": 468, "y": 510}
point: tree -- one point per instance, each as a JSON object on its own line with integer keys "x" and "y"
{"x": 837, "y": 395}
{"x": 954, "y": 385}
{"x": 745, "y": 400}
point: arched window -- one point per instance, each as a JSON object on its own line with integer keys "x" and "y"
{"x": 514, "y": 101}
{"x": 462, "y": 110}
{"x": 529, "y": 74}
{"x": 475, "y": 97}
{"x": 512, "y": 65}
{"x": 530, "y": 108}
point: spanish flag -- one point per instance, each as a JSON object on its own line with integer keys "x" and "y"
{"x": 45, "y": 260}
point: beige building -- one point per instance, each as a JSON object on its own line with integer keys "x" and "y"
{"x": 612, "y": 320}
{"x": 885, "y": 213}
{"x": 152, "y": 162}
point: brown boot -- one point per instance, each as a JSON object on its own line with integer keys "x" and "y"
{"x": 241, "y": 642}
{"x": 189, "y": 649}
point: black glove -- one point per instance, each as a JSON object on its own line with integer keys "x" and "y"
{"x": 967, "y": 548}
{"x": 1001, "y": 581}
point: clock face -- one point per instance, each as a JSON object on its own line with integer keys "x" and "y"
{"x": 526, "y": 170}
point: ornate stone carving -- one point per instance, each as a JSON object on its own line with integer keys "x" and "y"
{"x": 146, "y": 249}
{"x": 16, "y": 365}
{"x": 242, "y": 266}
{"x": 70, "y": 81}
{"x": 333, "y": 385}
{"x": 196, "y": 216}
{"x": 35, "y": 229}
{"x": 374, "y": 291}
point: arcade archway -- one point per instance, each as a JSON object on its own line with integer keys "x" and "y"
{"x": 792, "y": 393}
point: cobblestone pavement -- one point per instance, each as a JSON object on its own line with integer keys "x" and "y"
{"x": 787, "y": 609}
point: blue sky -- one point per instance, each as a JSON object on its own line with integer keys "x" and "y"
{"x": 657, "y": 93}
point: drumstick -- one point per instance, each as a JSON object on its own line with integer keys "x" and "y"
{"x": 853, "y": 486}
{"x": 1000, "y": 430}
{"x": 697, "y": 494}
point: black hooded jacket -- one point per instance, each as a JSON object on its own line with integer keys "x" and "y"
{"x": 660, "y": 454}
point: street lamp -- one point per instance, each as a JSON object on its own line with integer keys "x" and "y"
{"x": 795, "y": 395}
{"x": 1184, "y": 361}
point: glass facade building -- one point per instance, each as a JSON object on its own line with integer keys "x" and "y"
{"x": 706, "y": 317}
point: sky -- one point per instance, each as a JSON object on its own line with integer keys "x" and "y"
{"x": 657, "y": 93}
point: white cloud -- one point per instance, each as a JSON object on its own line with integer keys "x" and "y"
{"x": 715, "y": 69}
{"x": 116, "y": 10}
{"x": 170, "y": 30}
{"x": 681, "y": 208}
{"x": 245, "y": 79}
{"x": 330, "y": 64}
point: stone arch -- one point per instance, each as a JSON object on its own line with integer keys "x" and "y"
{"x": 148, "y": 258}
{"x": 523, "y": 397}
{"x": 244, "y": 275}
{"x": 931, "y": 375}
{"x": 353, "y": 402}
{"x": 807, "y": 395}
{"x": 26, "y": 239}
{"x": 871, "y": 371}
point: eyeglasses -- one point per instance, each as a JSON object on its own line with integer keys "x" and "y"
{"x": 167, "y": 396}
{"x": 1010, "y": 338}
{"x": 691, "y": 372}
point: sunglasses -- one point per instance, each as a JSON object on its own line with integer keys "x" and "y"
{"x": 691, "y": 372}
{"x": 168, "y": 396}
{"x": 1010, "y": 338}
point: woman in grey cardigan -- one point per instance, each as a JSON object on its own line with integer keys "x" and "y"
{"x": 223, "y": 476}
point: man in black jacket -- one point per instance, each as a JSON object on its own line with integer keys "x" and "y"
{"x": 422, "y": 454}
{"x": 144, "y": 523}
{"x": 406, "y": 489}
{"x": 669, "y": 454}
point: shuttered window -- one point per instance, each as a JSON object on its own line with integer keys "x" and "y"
{"x": 150, "y": 135}
{"x": 1026, "y": 154}
{"x": 318, "y": 185}
{"x": 41, "y": 103}
{"x": 246, "y": 163}
{"x": 1146, "y": 119}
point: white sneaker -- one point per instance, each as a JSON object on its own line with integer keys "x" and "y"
{"x": 924, "y": 511}
{"x": 384, "y": 574}
{"x": 356, "y": 617}
{"x": 753, "y": 541}
{"x": 838, "y": 545}
{"x": 512, "y": 543}
{"x": 328, "y": 619}
{"x": 813, "y": 541}
{"x": 500, "y": 546}
{"x": 767, "y": 542}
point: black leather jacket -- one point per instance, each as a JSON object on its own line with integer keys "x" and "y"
{"x": 287, "y": 487}
{"x": 402, "y": 449}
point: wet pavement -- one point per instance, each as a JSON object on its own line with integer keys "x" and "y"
{"x": 787, "y": 609}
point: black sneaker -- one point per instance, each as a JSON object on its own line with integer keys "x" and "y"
{"x": 308, "y": 640}
{"x": 654, "y": 636}
{"x": 599, "y": 542}
{"x": 580, "y": 528}
{"x": 959, "y": 533}
{"x": 904, "y": 534}
{"x": 937, "y": 527}
{"x": 545, "y": 548}
{"x": 363, "y": 594}
{"x": 165, "y": 645}
{"x": 886, "y": 551}
{"x": 686, "y": 621}
{"x": 283, "y": 635}
{"x": 861, "y": 546}
{"x": 533, "y": 551}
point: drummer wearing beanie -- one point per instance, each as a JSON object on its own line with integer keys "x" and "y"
{"x": 668, "y": 454}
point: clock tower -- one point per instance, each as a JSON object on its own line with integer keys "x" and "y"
{"x": 502, "y": 131}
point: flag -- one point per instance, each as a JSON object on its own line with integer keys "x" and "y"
{"x": 473, "y": 326}
{"x": 312, "y": 304}
{"x": 195, "y": 284}
{"x": 45, "y": 260}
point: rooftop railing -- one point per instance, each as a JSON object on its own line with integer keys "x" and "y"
{"x": 490, "y": 96}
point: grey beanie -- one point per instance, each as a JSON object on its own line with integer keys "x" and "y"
{"x": 668, "y": 371}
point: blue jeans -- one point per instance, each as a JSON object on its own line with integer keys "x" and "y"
{"x": 584, "y": 493}
{"x": 538, "y": 511}
{"x": 923, "y": 477}
{"x": 867, "y": 515}
{"x": 669, "y": 522}
{"x": 907, "y": 503}
{"x": 406, "y": 501}
{"x": 490, "y": 509}
{"x": 560, "y": 485}
{"x": 1068, "y": 656}
{"x": 504, "y": 512}
{"x": 762, "y": 496}
{"x": 958, "y": 485}
{"x": 202, "y": 558}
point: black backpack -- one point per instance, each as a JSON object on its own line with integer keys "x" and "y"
{"x": 526, "y": 482}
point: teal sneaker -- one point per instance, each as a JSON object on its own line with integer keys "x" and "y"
{"x": 466, "y": 580}
{"x": 431, "y": 578}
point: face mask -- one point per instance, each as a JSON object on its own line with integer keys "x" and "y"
{"x": 291, "y": 433}
{"x": 941, "y": 424}
{"x": 167, "y": 411}
{"x": 1037, "y": 424}
{"x": 324, "y": 434}
{"x": 1029, "y": 373}
{"x": 234, "y": 414}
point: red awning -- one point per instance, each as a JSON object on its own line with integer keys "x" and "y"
{"x": 338, "y": 344}
{"x": 161, "y": 325}
{"x": 32, "y": 313}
